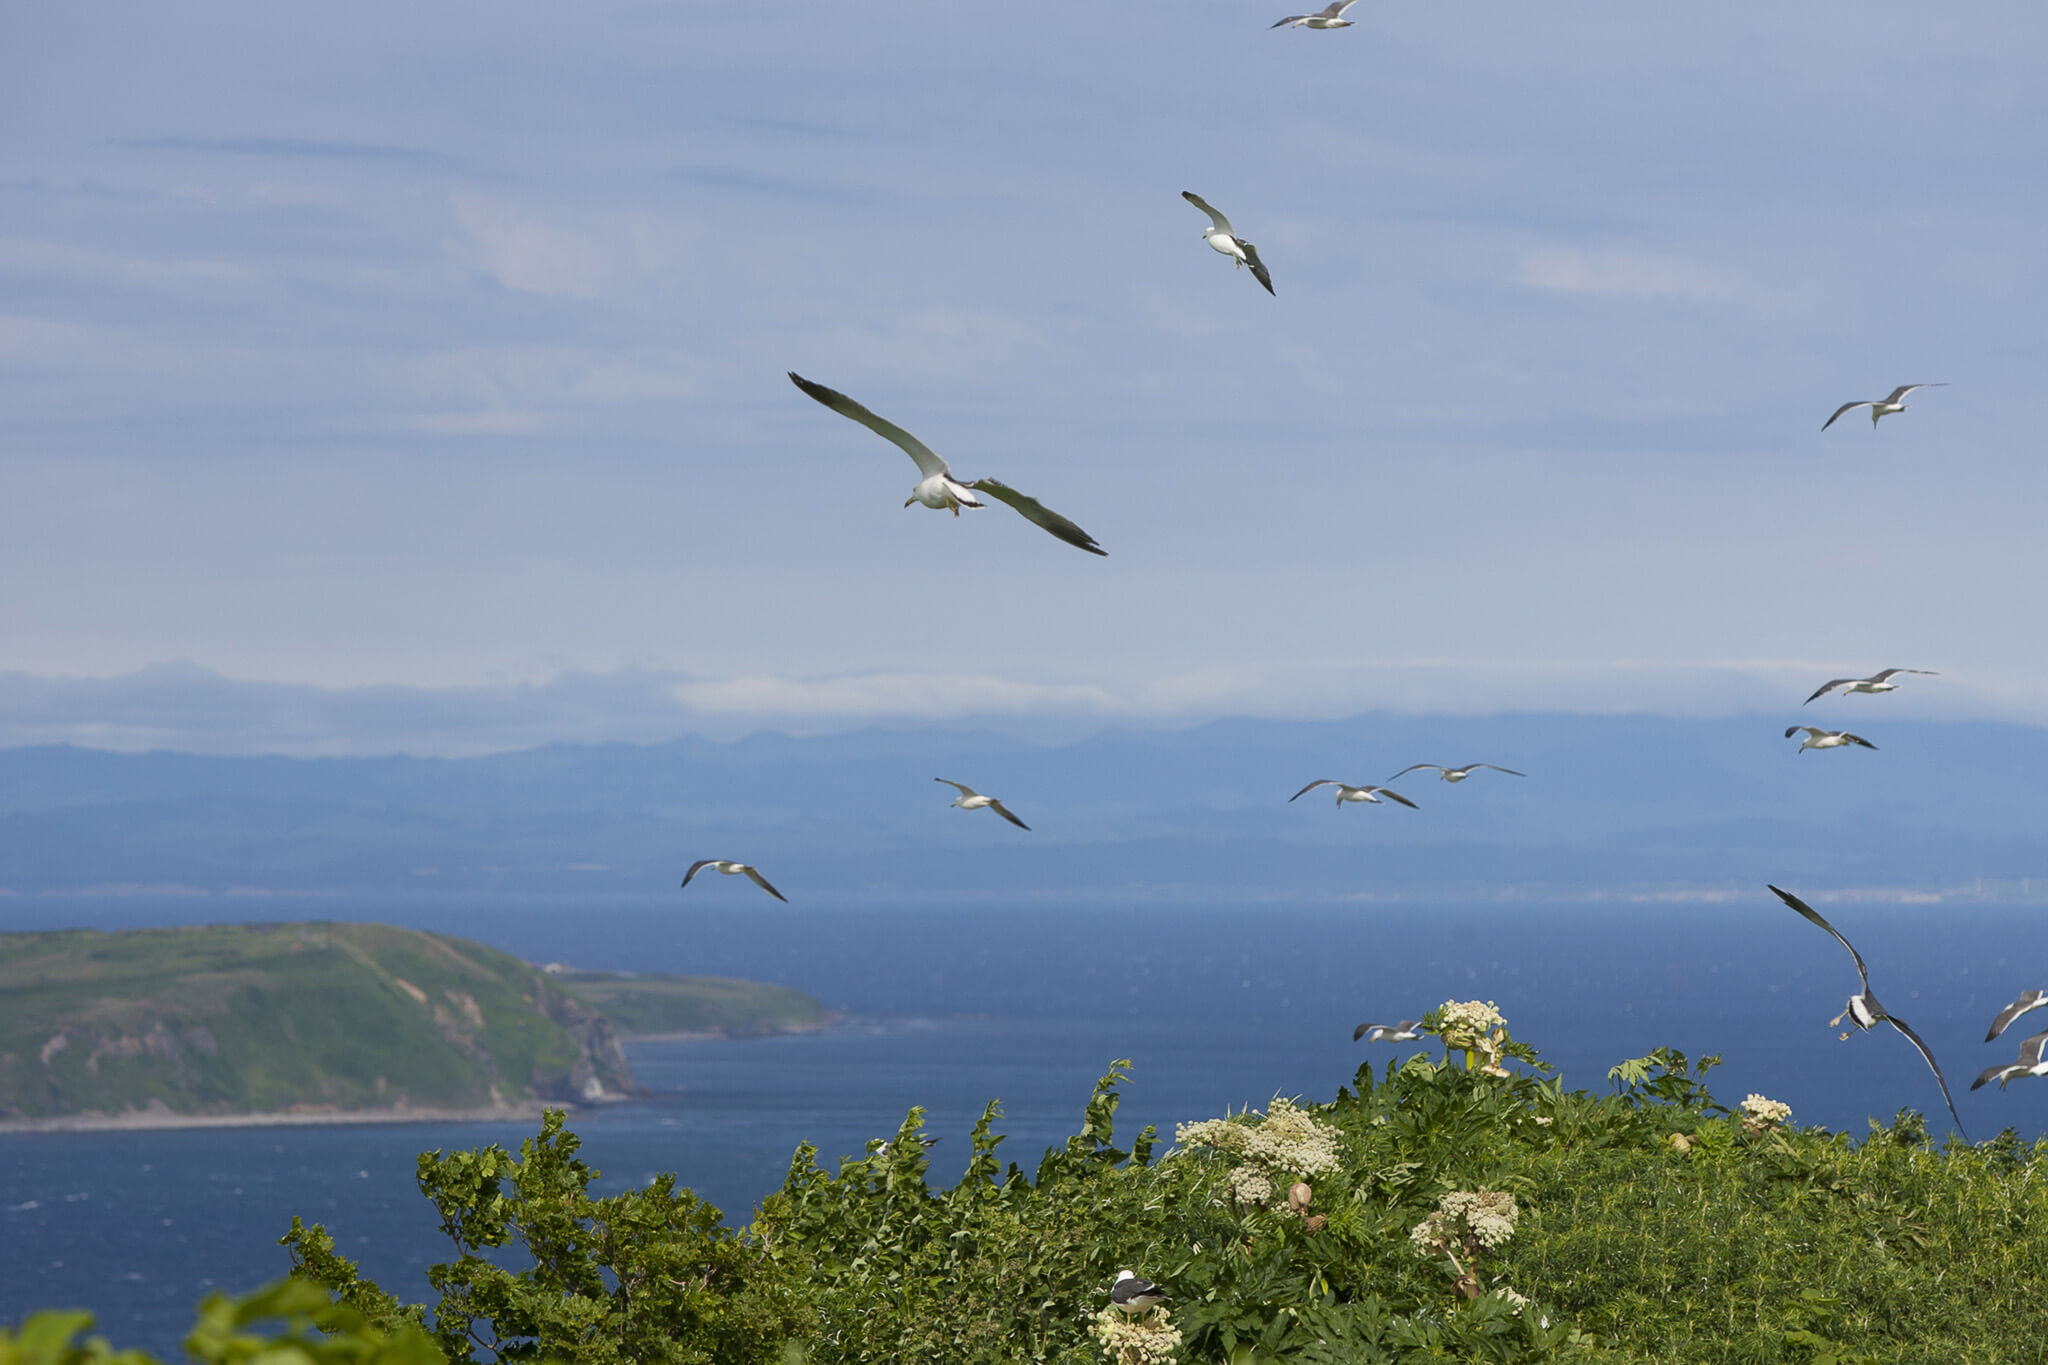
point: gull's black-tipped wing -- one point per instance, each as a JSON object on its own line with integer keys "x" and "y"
{"x": 1216, "y": 219}
{"x": 960, "y": 787}
{"x": 1803, "y": 908}
{"x": 1826, "y": 688}
{"x": 697, "y": 867}
{"x": 1000, "y": 809}
{"x": 1857, "y": 739}
{"x": 1258, "y": 267}
{"x": 1392, "y": 795}
{"x": 1902, "y": 390}
{"x": 1928, "y": 1054}
{"x": 1319, "y": 782}
{"x": 1860, "y": 403}
{"x": 928, "y": 463}
{"x": 754, "y": 875}
{"x": 1435, "y": 767}
{"x": 2028, "y": 1000}
{"x": 1386, "y": 1030}
{"x": 1036, "y": 512}
{"x": 1497, "y": 768}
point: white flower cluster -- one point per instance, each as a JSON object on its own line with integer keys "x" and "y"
{"x": 1470, "y": 1024}
{"x": 1146, "y": 1340}
{"x": 1466, "y": 1220}
{"x": 1285, "y": 1145}
{"x": 1516, "y": 1301}
{"x": 1760, "y": 1114}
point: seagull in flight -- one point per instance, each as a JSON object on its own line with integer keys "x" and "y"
{"x": 1349, "y": 793}
{"x": 1817, "y": 738}
{"x": 1223, "y": 239}
{"x": 733, "y": 869}
{"x": 1863, "y": 1010}
{"x": 1403, "y": 1032}
{"x": 1455, "y": 774}
{"x": 1876, "y": 682}
{"x": 2028, "y": 1000}
{"x": 1331, "y": 16}
{"x": 970, "y": 799}
{"x": 938, "y": 488}
{"x": 2030, "y": 1063}
{"x": 1881, "y": 407}
{"x": 1132, "y": 1295}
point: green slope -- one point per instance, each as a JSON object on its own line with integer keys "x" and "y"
{"x": 237, "y": 1019}
{"x": 645, "y": 1006}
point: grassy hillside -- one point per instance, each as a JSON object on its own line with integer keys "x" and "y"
{"x": 235, "y": 1019}
{"x": 645, "y": 1006}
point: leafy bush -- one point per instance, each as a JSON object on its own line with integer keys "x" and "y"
{"x": 318, "y": 1331}
{"x": 1460, "y": 1206}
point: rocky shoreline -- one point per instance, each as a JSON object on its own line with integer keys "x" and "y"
{"x": 137, "y": 1120}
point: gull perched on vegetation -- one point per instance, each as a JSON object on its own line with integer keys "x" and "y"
{"x": 1455, "y": 774}
{"x": 1876, "y": 682}
{"x": 1817, "y": 738}
{"x": 1222, "y": 238}
{"x": 2028, "y": 1000}
{"x": 938, "y": 488}
{"x": 1881, "y": 407}
{"x": 733, "y": 869}
{"x": 2030, "y": 1063}
{"x": 1330, "y": 16}
{"x": 1350, "y": 793}
{"x": 970, "y": 799}
{"x": 1863, "y": 1009}
{"x": 1403, "y": 1032}
{"x": 1132, "y": 1295}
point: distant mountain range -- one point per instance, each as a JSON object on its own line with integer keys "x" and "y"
{"x": 1612, "y": 805}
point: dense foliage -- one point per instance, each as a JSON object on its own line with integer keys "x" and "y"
{"x": 316, "y": 1331}
{"x": 1460, "y": 1205}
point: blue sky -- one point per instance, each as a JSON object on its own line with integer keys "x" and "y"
{"x": 423, "y": 366}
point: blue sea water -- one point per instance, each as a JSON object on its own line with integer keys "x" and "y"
{"x": 952, "y": 1008}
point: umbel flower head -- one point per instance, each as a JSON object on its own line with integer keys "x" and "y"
{"x": 1468, "y": 1222}
{"x": 1760, "y": 1115}
{"x": 1285, "y": 1145}
{"x": 1468, "y": 1024}
{"x": 1148, "y": 1340}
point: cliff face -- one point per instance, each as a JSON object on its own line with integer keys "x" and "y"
{"x": 299, "y": 1018}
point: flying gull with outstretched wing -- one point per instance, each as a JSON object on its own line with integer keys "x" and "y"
{"x": 2030, "y": 1063}
{"x": 1817, "y": 738}
{"x": 733, "y": 869}
{"x": 1863, "y": 1010}
{"x": 938, "y": 488}
{"x": 1881, "y": 407}
{"x": 1404, "y": 1032}
{"x": 1220, "y": 236}
{"x": 970, "y": 799}
{"x": 1330, "y": 16}
{"x": 1456, "y": 774}
{"x": 1877, "y": 682}
{"x": 1346, "y": 792}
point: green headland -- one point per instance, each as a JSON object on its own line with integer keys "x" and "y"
{"x": 317, "y": 1021}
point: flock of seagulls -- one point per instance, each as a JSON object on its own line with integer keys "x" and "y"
{"x": 938, "y": 488}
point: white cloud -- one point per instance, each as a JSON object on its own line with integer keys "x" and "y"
{"x": 522, "y": 251}
{"x": 894, "y": 695}
{"x": 1611, "y": 272}
{"x": 583, "y": 256}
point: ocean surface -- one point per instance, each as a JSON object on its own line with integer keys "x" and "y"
{"x": 950, "y": 1008}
